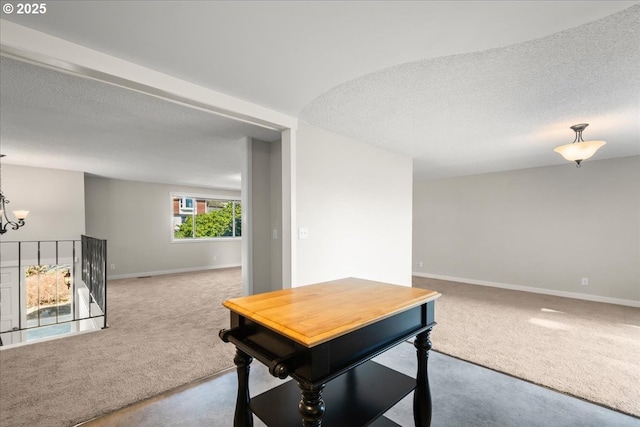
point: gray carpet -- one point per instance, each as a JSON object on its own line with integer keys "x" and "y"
{"x": 464, "y": 395}
{"x": 163, "y": 333}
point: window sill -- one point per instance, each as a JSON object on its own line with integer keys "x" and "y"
{"x": 207, "y": 240}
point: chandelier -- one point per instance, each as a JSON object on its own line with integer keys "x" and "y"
{"x": 579, "y": 150}
{"x": 4, "y": 219}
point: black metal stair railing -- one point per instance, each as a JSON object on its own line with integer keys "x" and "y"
{"x": 28, "y": 299}
{"x": 94, "y": 271}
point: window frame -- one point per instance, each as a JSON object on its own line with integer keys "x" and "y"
{"x": 195, "y": 196}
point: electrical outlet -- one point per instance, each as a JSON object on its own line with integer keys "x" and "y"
{"x": 215, "y": 258}
{"x": 585, "y": 281}
{"x": 421, "y": 264}
{"x": 113, "y": 266}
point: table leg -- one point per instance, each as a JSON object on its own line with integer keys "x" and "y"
{"x": 311, "y": 406}
{"x": 422, "y": 394}
{"x": 243, "y": 416}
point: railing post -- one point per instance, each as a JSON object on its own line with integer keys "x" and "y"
{"x": 104, "y": 283}
{"x": 20, "y": 287}
{"x": 91, "y": 267}
{"x": 73, "y": 277}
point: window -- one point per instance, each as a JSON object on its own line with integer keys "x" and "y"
{"x": 186, "y": 205}
{"x": 205, "y": 218}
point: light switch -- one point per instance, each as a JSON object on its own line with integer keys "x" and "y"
{"x": 303, "y": 233}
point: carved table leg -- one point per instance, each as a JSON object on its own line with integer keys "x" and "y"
{"x": 243, "y": 416}
{"x": 311, "y": 406}
{"x": 422, "y": 394}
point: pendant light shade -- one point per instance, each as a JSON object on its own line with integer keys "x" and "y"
{"x": 579, "y": 150}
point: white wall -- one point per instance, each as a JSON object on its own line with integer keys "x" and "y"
{"x": 355, "y": 200}
{"x": 135, "y": 218}
{"x": 544, "y": 228}
{"x": 54, "y": 199}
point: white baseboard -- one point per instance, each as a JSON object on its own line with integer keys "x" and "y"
{"x": 162, "y": 272}
{"x": 586, "y": 297}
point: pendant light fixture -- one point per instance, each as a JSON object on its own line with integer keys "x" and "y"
{"x": 579, "y": 150}
{"x": 4, "y": 219}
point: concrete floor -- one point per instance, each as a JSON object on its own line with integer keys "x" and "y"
{"x": 463, "y": 395}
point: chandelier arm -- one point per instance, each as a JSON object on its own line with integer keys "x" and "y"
{"x": 6, "y": 222}
{"x": 4, "y": 219}
{"x": 16, "y": 225}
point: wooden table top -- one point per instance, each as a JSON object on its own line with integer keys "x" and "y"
{"x": 313, "y": 314}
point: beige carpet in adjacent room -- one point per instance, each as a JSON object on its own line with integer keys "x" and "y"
{"x": 587, "y": 349}
{"x": 163, "y": 333}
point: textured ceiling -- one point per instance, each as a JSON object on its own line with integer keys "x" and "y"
{"x": 56, "y": 120}
{"x": 500, "y": 109}
{"x": 463, "y": 87}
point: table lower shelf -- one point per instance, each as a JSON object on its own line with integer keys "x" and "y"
{"x": 356, "y": 398}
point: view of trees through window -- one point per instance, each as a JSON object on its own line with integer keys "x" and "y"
{"x": 196, "y": 218}
{"x": 48, "y": 295}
